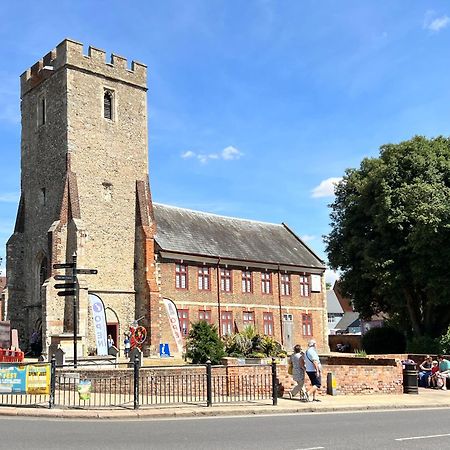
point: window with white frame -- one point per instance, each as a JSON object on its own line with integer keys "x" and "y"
{"x": 204, "y": 279}
{"x": 285, "y": 284}
{"x": 247, "y": 281}
{"x": 305, "y": 284}
{"x": 225, "y": 280}
{"x": 268, "y": 323}
{"x": 181, "y": 276}
{"x": 227, "y": 322}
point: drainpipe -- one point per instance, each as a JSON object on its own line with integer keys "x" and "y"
{"x": 279, "y": 304}
{"x": 218, "y": 297}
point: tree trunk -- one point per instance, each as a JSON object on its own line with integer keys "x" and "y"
{"x": 410, "y": 305}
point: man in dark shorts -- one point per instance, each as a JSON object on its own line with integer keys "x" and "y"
{"x": 313, "y": 369}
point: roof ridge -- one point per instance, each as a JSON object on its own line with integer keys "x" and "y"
{"x": 218, "y": 215}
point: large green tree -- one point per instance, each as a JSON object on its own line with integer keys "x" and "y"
{"x": 390, "y": 234}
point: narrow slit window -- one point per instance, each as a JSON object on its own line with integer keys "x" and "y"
{"x": 108, "y": 105}
{"x": 41, "y": 111}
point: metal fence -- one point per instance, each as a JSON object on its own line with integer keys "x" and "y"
{"x": 132, "y": 386}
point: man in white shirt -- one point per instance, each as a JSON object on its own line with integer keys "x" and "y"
{"x": 313, "y": 369}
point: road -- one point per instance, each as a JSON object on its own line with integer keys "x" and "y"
{"x": 399, "y": 429}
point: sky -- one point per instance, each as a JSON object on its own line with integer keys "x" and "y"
{"x": 256, "y": 107}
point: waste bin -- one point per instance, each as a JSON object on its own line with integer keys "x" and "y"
{"x": 410, "y": 384}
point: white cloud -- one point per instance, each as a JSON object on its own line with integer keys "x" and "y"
{"x": 9, "y": 198}
{"x": 433, "y": 23}
{"x": 188, "y": 154}
{"x": 231, "y": 152}
{"x": 325, "y": 188}
{"x": 307, "y": 237}
{"x": 227, "y": 154}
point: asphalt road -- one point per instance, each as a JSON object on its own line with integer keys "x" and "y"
{"x": 400, "y": 429}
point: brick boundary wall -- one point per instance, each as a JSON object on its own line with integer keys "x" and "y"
{"x": 372, "y": 375}
{"x": 355, "y": 376}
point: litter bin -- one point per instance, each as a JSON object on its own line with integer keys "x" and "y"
{"x": 410, "y": 384}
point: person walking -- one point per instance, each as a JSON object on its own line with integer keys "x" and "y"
{"x": 313, "y": 369}
{"x": 298, "y": 372}
{"x": 127, "y": 345}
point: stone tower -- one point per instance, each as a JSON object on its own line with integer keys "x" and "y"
{"x": 84, "y": 190}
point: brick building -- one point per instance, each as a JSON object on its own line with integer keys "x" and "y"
{"x": 85, "y": 190}
{"x": 235, "y": 272}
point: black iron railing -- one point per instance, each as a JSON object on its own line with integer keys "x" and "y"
{"x": 131, "y": 386}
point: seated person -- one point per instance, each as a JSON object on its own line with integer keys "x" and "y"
{"x": 425, "y": 371}
{"x": 444, "y": 371}
{"x": 432, "y": 382}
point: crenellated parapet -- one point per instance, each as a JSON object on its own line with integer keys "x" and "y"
{"x": 69, "y": 54}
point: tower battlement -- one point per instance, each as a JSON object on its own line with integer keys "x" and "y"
{"x": 70, "y": 53}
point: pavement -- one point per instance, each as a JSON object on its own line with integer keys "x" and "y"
{"x": 425, "y": 399}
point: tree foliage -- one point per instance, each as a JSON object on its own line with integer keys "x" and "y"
{"x": 390, "y": 235}
{"x": 203, "y": 343}
{"x": 383, "y": 340}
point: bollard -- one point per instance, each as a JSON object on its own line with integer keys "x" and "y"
{"x": 208, "y": 383}
{"x": 136, "y": 367}
{"x": 274, "y": 383}
{"x": 331, "y": 384}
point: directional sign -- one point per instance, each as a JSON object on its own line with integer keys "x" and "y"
{"x": 64, "y": 277}
{"x": 66, "y": 293}
{"x": 64, "y": 266}
{"x": 65, "y": 286}
{"x": 87, "y": 271}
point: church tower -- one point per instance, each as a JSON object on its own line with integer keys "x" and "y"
{"x": 84, "y": 190}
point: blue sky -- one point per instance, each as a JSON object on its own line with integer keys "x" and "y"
{"x": 254, "y": 105}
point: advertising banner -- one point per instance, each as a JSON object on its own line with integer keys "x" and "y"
{"x": 84, "y": 389}
{"x": 172, "y": 312}
{"x": 99, "y": 316}
{"x": 20, "y": 379}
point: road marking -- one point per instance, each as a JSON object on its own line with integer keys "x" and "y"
{"x": 310, "y": 448}
{"x": 423, "y": 437}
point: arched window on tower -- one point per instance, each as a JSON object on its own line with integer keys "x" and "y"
{"x": 108, "y": 105}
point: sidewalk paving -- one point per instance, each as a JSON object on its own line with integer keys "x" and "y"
{"x": 427, "y": 398}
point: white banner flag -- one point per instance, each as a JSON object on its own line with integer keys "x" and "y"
{"x": 174, "y": 322}
{"x": 99, "y": 315}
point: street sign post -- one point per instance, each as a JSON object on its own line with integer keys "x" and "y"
{"x": 65, "y": 286}
{"x": 67, "y": 293}
{"x": 64, "y": 266}
{"x": 70, "y": 289}
{"x": 86, "y": 271}
{"x": 64, "y": 278}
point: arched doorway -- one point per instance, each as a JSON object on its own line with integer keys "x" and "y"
{"x": 112, "y": 325}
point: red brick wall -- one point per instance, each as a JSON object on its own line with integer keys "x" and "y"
{"x": 356, "y": 376}
{"x": 237, "y": 302}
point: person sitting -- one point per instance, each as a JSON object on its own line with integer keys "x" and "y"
{"x": 432, "y": 382}
{"x": 444, "y": 371}
{"x": 425, "y": 371}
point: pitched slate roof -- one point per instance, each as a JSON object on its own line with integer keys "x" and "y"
{"x": 333, "y": 305}
{"x": 197, "y": 233}
{"x": 349, "y": 319}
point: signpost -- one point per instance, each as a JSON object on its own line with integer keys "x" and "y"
{"x": 71, "y": 290}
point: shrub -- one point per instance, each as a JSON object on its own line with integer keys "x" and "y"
{"x": 424, "y": 344}
{"x": 248, "y": 344}
{"x": 444, "y": 342}
{"x": 383, "y": 340}
{"x": 203, "y": 343}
